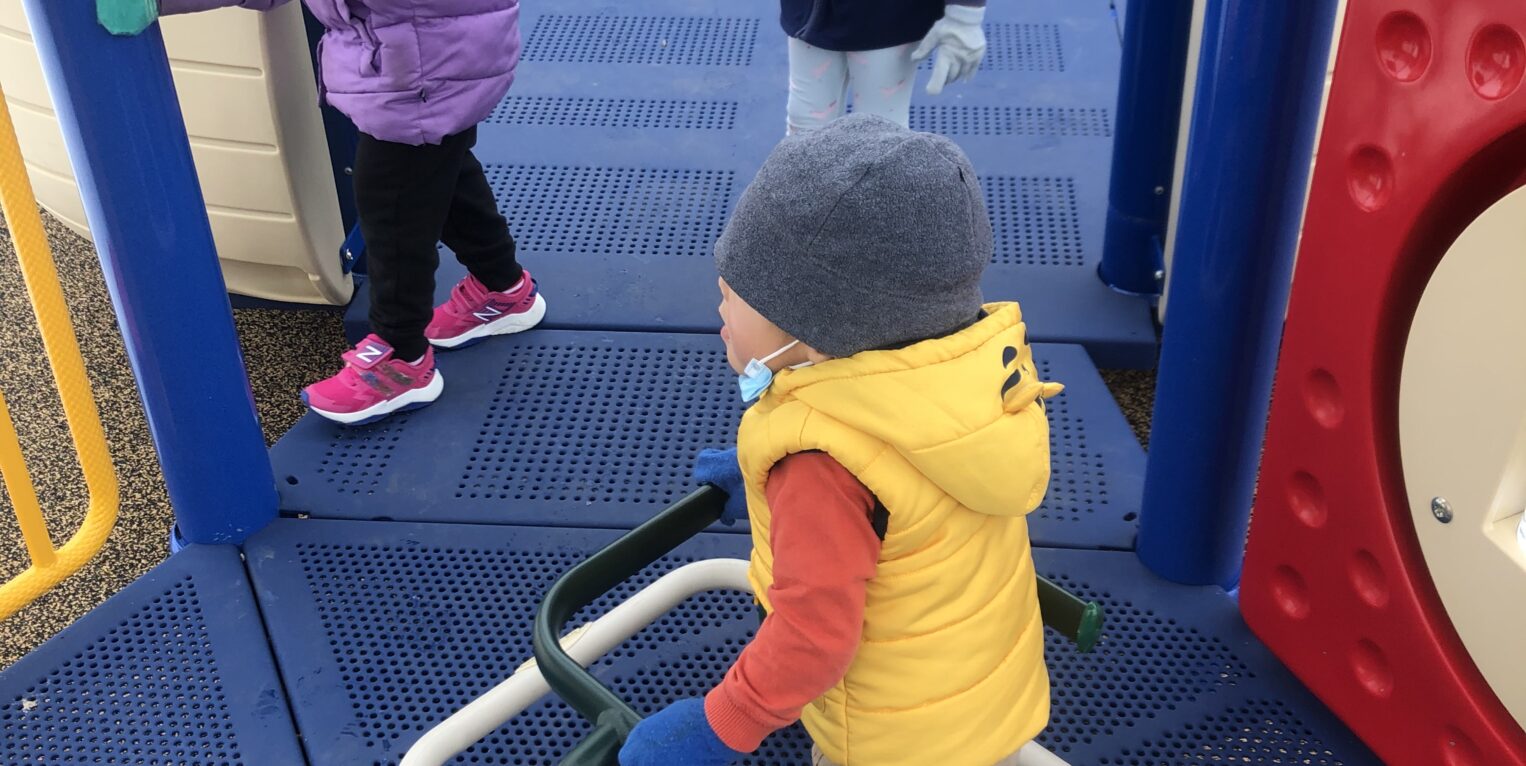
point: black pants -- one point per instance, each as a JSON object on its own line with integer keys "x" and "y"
{"x": 411, "y": 198}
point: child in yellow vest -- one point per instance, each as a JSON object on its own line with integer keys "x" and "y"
{"x": 897, "y": 444}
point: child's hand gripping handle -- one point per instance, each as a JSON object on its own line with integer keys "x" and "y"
{"x": 719, "y": 468}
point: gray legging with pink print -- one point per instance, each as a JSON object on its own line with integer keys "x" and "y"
{"x": 822, "y": 81}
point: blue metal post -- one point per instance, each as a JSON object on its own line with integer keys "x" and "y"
{"x": 1144, "y": 151}
{"x": 127, "y": 143}
{"x": 1253, "y": 125}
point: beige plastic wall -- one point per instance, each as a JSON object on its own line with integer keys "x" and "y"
{"x": 249, "y": 98}
{"x": 1462, "y": 428}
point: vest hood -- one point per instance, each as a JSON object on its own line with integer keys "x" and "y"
{"x": 973, "y": 395}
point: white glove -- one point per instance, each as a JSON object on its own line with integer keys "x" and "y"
{"x": 961, "y": 44}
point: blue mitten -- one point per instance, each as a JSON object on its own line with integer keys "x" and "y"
{"x": 126, "y": 17}
{"x": 719, "y": 468}
{"x": 679, "y": 735}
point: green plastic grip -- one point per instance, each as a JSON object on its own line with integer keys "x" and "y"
{"x": 126, "y": 17}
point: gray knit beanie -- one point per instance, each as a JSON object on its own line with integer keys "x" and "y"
{"x": 861, "y": 235}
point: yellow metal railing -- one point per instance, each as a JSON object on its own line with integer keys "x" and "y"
{"x": 49, "y": 565}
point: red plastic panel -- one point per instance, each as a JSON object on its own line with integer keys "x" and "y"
{"x": 1426, "y": 127}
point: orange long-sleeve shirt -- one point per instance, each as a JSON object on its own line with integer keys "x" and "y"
{"x": 825, "y": 552}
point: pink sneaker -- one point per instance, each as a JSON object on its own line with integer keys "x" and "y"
{"x": 373, "y": 385}
{"x": 475, "y": 312}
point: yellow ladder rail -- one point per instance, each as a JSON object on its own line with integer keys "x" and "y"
{"x": 49, "y": 565}
{"x": 18, "y": 484}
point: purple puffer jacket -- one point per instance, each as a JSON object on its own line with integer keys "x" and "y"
{"x": 407, "y": 71}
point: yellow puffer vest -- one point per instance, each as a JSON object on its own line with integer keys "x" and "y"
{"x": 950, "y": 435}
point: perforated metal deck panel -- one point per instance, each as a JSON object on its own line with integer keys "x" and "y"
{"x": 1097, "y": 467}
{"x": 584, "y": 429}
{"x": 630, "y": 133}
{"x": 385, "y": 628}
{"x": 172, "y": 671}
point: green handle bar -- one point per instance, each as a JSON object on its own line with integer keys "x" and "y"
{"x": 613, "y": 719}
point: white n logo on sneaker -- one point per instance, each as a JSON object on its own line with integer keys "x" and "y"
{"x": 487, "y": 314}
{"x": 370, "y": 353}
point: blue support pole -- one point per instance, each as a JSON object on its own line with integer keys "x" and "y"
{"x": 1253, "y": 124}
{"x": 1155, "y": 36}
{"x": 127, "y": 143}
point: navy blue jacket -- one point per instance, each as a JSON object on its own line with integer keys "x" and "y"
{"x": 859, "y": 25}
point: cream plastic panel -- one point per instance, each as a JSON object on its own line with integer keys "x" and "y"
{"x": 1462, "y": 427}
{"x": 248, "y": 95}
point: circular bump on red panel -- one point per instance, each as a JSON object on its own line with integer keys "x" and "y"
{"x": 1370, "y": 178}
{"x": 1322, "y": 395}
{"x": 1457, "y": 749}
{"x": 1306, "y": 498}
{"x": 1290, "y": 592}
{"x": 1404, "y": 46}
{"x": 1496, "y": 61}
{"x": 1368, "y": 579}
{"x": 1372, "y": 669}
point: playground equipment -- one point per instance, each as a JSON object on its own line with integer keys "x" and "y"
{"x": 560, "y": 662}
{"x": 1235, "y": 242}
{"x": 247, "y": 90}
{"x": 49, "y": 565}
{"x": 391, "y": 581}
{"x": 1382, "y": 564}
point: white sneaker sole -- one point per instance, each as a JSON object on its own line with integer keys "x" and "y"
{"x": 411, "y": 400}
{"x": 504, "y": 325}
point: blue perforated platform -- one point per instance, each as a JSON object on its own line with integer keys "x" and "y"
{"x": 173, "y": 670}
{"x": 384, "y": 629}
{"x": 408, "y": 586}
{"x": 588, "y": 429}
{"x": 631, "y": 131}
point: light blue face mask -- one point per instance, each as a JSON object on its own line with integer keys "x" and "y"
{"x": 756, "y": 377}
